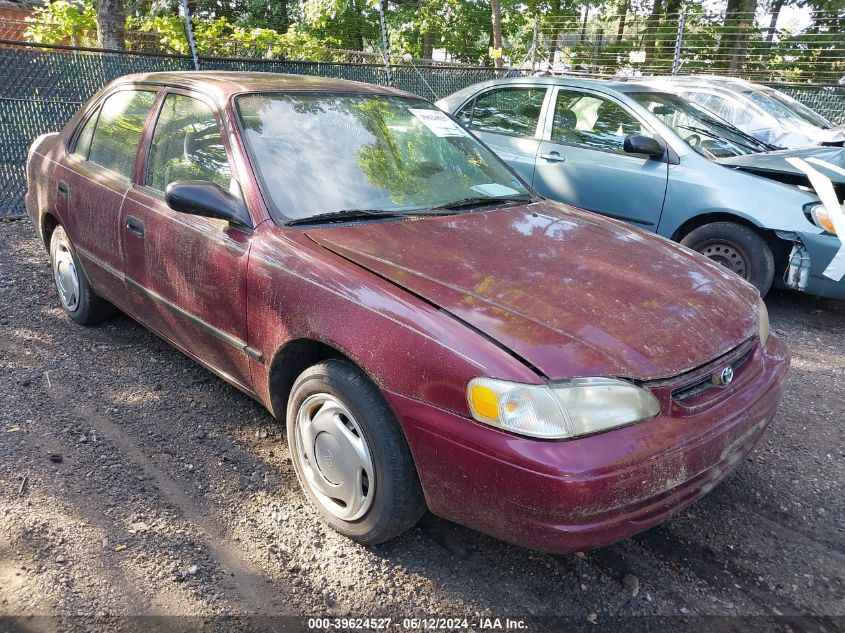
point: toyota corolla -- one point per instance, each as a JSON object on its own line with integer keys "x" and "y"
{"x": 434, "y": 334}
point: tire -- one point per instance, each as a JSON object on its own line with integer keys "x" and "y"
{"x": 738, "y": 248}
{"x": 76, "y": 296}
{"x": 385, "y": 497}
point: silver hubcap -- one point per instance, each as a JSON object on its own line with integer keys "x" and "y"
{"x": 67, "y": 279}
{"x": 334, "y": 458}
{"x": 728, "y": 256}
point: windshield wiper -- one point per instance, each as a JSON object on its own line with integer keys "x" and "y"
{"x": 366, "y": 214}
{"x": 442, "y": 209}
{"x": 481, "y": 201}
{"x": 697, "y": 130}
{"x": 344, "y": 214}
{"x": 735, "y": 130}
{"x": 751, "y": 143}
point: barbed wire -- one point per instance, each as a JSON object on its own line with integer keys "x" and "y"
{"x": 594, "y": 43}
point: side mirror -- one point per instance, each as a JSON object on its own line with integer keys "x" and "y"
{"x": 201, "y": 197}
{"x": 641, "y": 144}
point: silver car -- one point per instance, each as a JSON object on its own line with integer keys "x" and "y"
{"x": 763, "y": 112}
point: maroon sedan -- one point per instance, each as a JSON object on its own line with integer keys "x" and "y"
{"x": 434, "y": 334}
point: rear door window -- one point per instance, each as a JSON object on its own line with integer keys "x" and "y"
{"x": 118, "y": 130}
{"x": 511, "y": 111}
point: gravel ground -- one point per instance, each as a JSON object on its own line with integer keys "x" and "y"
{"x": 134, "y": 483}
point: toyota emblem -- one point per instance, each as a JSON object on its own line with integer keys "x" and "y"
{"x": 726, "y": 376}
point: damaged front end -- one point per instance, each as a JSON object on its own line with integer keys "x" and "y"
{"x": 780, "y": 166}
{"x": 797, "y": 272}
{"x": 809, "y": 258}
{"x": 816, "y": 262}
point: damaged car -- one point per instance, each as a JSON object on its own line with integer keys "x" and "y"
{"x": 665, "y": 164}
{"x": 767, "y": 114}
{"x": 433, "y": 333}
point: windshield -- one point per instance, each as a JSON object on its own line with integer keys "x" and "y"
{"x": 322, "y": 154}
{"x": 810, "y": 116}
{"x": 707, "y": 134}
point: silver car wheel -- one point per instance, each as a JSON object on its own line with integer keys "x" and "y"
{"x": 334, "y": 457}
{"x": 65, "y": 275}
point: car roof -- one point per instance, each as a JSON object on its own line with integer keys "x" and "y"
{"x": 575, "y": 82}
{"x": 226, "y": 83}
{"x": 715, "y": 81}
{"x": 605, "y": 85}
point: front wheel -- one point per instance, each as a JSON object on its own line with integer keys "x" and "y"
{"x": 350, "y": 455}
{"x": 738, "y": 248}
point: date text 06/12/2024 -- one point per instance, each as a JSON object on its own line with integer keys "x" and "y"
{"x": 423, "y": 623}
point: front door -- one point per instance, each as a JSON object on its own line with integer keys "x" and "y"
{"x": 581, "y": 160}
{"x": 186, "y": 274}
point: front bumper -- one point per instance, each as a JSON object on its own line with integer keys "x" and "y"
{"x": 570, "y": 495}
{"x": 821, "y": 248}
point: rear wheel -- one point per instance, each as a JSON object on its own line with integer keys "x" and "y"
{"x": 738, "y": 248}
{"x": 350, "y": 455}
{"x": 75, "y": 293}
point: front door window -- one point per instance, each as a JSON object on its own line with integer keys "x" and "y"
{"x": 592, "y": 121}
{"x": 187, "y": 145}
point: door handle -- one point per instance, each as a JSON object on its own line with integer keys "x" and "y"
{"x": 135, "y": 226}
{"x": 63, "y": 188}
{"x": 553, "y": 157}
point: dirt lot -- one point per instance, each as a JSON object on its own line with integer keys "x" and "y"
{"x": 175, "y": 496}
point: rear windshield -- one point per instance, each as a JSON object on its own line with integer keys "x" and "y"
{"x": 320, "y": 153}
{"x": 810, "y": 116}
{"x": 784, "y": 114}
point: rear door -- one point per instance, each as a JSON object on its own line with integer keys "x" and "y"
{"x": 508, "y": 120}
{"x": 186, "y": 274}
{"x": 581, "y": 160}
{"x": 94, "y": 180}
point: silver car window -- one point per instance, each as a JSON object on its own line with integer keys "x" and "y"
{"x": 513, "y": 111}
{"x": 589, "y": 120}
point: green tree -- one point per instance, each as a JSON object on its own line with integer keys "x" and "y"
{"x": 63, "y": 22}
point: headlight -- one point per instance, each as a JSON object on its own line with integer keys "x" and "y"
{"x": 820, "y": 217}
{"x": 562, "y": 409}
{"x": 763, "y": 315}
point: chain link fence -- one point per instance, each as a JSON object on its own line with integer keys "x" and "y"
{"x": 41, "y": 87}
{"x": 828, "y": 101}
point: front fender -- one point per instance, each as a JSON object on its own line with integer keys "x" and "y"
{"x": 699, "y": 186}
{"x": 300, "y": 290}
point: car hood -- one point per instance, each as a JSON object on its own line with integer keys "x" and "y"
{"x": 831, "y": 136}
{"x": 774, "y": 164}
{"x": 569, "y": 292}
{"x": 797, "y": 135}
